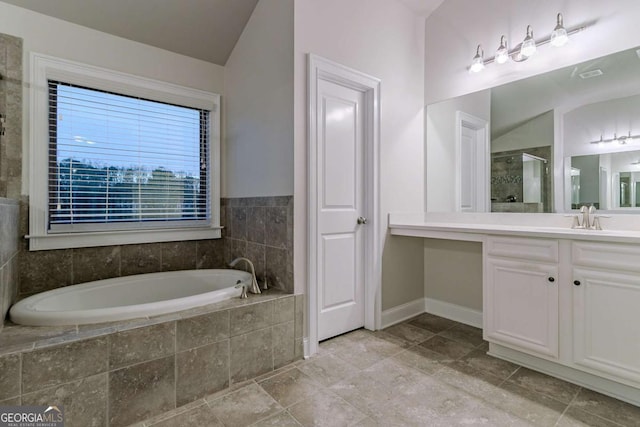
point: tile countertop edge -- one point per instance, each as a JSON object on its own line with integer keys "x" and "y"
{"x": 412, "y": 226}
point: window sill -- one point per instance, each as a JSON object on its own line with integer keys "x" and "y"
{"x": 113, "y": 238}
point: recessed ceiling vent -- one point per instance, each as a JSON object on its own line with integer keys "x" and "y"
{"x": 590, "y": 74}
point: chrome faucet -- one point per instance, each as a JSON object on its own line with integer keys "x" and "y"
{"x": 254, "y": 288}
{"x": 590, "y": 221}
{"x": 586, "y": 211}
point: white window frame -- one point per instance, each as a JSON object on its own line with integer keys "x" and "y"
{"x": 45, "y": 68}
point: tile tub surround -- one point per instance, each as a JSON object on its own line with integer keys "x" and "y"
{"x": 9, "y": 249}
{"x": 46, "y": 270}
{"x": 426, "y": 371}
{"x": 263, "y": 223}
{"x": 11, "y": 109}
{"x": 116, "y": 374}
{"x": 261, "y": 229}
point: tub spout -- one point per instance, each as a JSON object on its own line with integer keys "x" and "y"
{"x": 254, "y": 289}
{"x": 243, "y": 294}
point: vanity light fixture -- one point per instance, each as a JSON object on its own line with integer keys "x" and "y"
{"x": 502, "y": 54}
{"x": 559, "y": 35}
{"x": 622, "y": 140}
{"x": 477, "y": 64}
{"x": 523, "y": 51}
{"x": 528, "y": 46}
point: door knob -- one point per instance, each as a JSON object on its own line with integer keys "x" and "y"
{"x": 362, "y": 220}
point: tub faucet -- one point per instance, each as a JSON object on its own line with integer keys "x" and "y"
{"x": 254, "y": 289}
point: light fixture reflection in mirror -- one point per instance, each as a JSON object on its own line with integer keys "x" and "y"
{"x": 611, "y": 181}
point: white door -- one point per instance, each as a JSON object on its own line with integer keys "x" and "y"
{"x": 472, "y": 163}
{"x": 340, "y": 232}
{"x": 469, "y": 175}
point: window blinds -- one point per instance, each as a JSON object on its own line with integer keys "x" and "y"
{"x": 118, "y": 160}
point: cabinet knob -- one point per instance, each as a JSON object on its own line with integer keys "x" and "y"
{"x": 576, "y": 282}
{"x": 551, "y": 279}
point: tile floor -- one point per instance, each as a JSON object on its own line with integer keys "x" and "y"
{"x": 427, "y": 371}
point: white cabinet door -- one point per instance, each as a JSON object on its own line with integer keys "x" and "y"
{"x": 521, "y": 305}
{"x": 606, "y": 323}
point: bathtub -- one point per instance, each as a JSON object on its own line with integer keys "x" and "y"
{"x": 128, "y": 297}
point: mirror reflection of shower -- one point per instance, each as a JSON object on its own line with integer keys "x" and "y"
{"x": 575, "y": 187}
{"x": 532, "y": 178}
{"x": 520, "y": 181}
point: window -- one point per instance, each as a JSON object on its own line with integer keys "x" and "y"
{"x": 119, "y": 159}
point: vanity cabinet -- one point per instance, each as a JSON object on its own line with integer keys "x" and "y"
{"x": 606, "y": 309}
{"x": 561, "y": 301}
{"x": 521, "y": 294}
{"x": 524, "y": 283}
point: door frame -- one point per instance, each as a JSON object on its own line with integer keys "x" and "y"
{"x": 483, "y": 193}
{"x": 323, "y": 69}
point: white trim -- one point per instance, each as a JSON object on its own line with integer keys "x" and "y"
{"x": 483, "y": 192}
{"x": 459, "y": 313}
{"x": 610, "y": 388}
{"x": 306, "y": 348}
{"x": 455, "y": 312}
{"x": 45, "y": 67}
{"x": 324, "y": 69}
{"x": 83, "y": 240}
{"x": 400, "y": 313}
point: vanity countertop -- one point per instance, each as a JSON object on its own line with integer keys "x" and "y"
{"x": 474, "y": 226}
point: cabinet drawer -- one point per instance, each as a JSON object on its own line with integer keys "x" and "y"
{"x": 611, "y": 256}
{"x": 524, "y": 248}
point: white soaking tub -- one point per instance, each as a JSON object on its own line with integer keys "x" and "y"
{"x": 129, "y": 297}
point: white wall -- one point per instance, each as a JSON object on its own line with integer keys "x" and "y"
{"x": 440, "y": 146}
{"x": 58, "y": 38}
{"x": 258, "y": 86}
{"x": 386, "y": 40}
{"x": 451, "y": 272}
{"x": 455, "y": 29}
{"x": 587, "y": 123}
{"x": 537, "y": 132}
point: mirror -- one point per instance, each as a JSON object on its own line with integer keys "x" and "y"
{"x": 543, "y": 136}
{"x": 611, "y": 181}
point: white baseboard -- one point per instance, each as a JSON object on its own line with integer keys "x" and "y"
{"x": 447, "y": 310}
{"x": 602, "y": 385}
{"x": 306, "y": 348}
{"x": 455, "y": 312}
{"x": 402, "y": 312}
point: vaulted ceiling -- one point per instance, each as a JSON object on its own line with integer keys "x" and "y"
{"x": 203, "y": 29}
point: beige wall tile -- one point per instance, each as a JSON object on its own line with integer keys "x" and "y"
{"x": 202, "y": 330}
{"x": 142, "y": 344}
{"x": 57, "y": 365}
{"x": 202, "y": 371}
{"x": 251, "y": 355}
{"x": 85, "y": 400}
{"x": 141, "y": 391}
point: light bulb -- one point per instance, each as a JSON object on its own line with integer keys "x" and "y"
{"x": 559, "y": 36}
{"x": 528, "y": 47}
{"x": 502, "y": 54}
{"x": 477, "y": 63}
